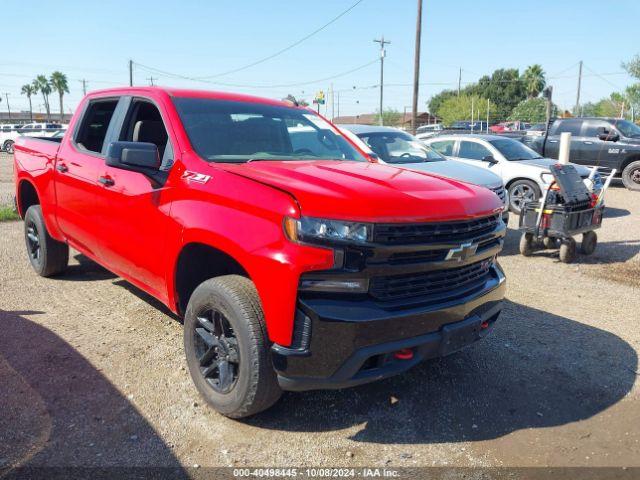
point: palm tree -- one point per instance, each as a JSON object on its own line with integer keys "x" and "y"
{"x": 29, "y": 90}
{"x": 59, "y": 83}
{"x": 43, "y": 86}
{"x": 534, "y": 80}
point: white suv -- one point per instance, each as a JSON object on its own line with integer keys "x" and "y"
{"x": 9, "y": 133}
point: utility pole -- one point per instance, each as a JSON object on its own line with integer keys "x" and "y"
{"x": 459, "y": 80}
{"x": 151, "y": 79}
{"x": 131, "y": 73}
{"x": 84, "y": 86}
{"x": 416, "y": 69}
{"x": 382, "y": 43}
{"x": 6, "y": 95}
{"x": 579, "y": 84}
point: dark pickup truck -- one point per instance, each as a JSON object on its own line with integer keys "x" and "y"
{"x": 606, "y": 143}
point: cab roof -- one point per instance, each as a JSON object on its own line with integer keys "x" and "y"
{"x": 187, "y": 93}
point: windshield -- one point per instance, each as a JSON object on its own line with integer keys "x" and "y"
{"x": 400, "y": 147}
{"x": 238, "y": 132}
{"x": 627, "y": 128}
{"x": 513, "y": 150}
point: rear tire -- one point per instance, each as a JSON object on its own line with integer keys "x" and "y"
{"x": 47, "y": 256}
{"x": 550, "y": 242}
{"x": 526, "y": 244}
{"x": 568, "y": 250}
{"x": 589, "y": 242}
{"x": 227, "y": 348}
{"x": 8, "y": 146}
{"x": 631, "y": 176}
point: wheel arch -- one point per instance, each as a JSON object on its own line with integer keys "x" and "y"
{"x": 517, "y": 179}
{"x": 27, "y": 195}
{"x": 628, "y": 160}
{"x": 197, "y": 262}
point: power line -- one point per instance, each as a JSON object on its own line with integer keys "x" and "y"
{"x": 287, "y": 48}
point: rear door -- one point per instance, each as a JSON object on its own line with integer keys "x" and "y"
{"x": 133, "y": 208}
{"x": 474, "y": 152}
{"x": 79, "y": 162}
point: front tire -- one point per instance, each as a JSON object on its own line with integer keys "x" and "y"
{"x": 47, "y": 256}
{"x": 526, "y": 244}
{"x": 631, "y": 176}
{"x": 568, "y": 250}
{"x": 227, "y": 347}
{"x": 520, "y": 192}
{"x": 589, "y": 242}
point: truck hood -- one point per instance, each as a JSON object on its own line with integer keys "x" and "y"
{"x": 457, "y": 171}
{"x": 545, "y": 163}
{"x": 370, "y": 192}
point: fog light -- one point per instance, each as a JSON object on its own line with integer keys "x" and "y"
{"x": 360, "y": 285}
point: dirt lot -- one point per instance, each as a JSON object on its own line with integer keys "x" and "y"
{"x": 6, "y": 178}
{"x": 92, "y": 374}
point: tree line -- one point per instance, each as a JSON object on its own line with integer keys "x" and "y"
{"x": 56, "y": 82}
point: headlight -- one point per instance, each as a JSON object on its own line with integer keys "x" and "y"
{"x": 546, "y": 178}
{"x": 318, "y": 230}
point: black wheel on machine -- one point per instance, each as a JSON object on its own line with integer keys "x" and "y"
{"x": 550, "y": 242}
{"x": 568, "y": 250}
{"x": 589, "y": 242}
{"x": 526, "y": 244}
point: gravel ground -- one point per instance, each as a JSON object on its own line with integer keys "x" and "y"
{"x": 92, "y": 374}
{"x": 6, "y": 178}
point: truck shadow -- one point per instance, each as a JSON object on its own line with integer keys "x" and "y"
{"x": 58, "y": 410}
{"x": 85, "y": 270}
{"x": 536, "y": 370}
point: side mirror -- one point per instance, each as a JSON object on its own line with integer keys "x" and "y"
{"x": 490, "y": 159}
{"x": 136, "y": 156}
{"x": 607, "y": 136}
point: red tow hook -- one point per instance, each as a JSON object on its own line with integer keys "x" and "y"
{"x": 404, "y": 354}
{"x": 484, "y": 325}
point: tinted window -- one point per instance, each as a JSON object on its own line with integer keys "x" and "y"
{"x": 95, "y": 123}
{"x": 592, "y": 126}
{"x": 445, "y": 147}
{"x": 571, "y": 126}
{"x": 513, "y": 150}
{"x": 399, "y": 147}
{"x": 236, "y": 132}
{"x": 472, "y": 150}
{"x": 144, "y": 124}
{"x": 627, "y": 128}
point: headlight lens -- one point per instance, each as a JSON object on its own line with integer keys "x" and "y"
{"x": 546, "y": 178}
{"x": 318, "y": 230}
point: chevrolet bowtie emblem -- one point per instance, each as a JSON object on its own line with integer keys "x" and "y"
{"x": 463, "y": 252}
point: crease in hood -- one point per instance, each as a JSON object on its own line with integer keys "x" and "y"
{"x": 369, "y": 192}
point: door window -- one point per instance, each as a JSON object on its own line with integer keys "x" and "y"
{"x": 592, "y": 126}
{"x": 571, "y": 126}
{"x": 473, "y": 150}
{"x": 95, "y": 123}
{"x": 144, "y": 124}
{"x": 445, "y": 147}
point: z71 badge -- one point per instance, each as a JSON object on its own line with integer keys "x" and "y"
{"x": 196, "y": 177}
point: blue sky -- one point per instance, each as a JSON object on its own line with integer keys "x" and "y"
{"x": 95, "y": 39}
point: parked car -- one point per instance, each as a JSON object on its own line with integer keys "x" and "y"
{"x": 294, "y": 268}
{"x": 426, "y": 131}
{"x": 515, "y": 126}
{"x": 29, "y": 130}
{"x": 606, "y": 143}
{"x": 524, "y": 172}
{"x": 470, "y": 126}
{"x": 8, "y": 134}
{"x": 535, "y": 130}
{"x": 399, "y": 148}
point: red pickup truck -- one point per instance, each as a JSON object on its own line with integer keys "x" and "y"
{"x": 295, "y": 263}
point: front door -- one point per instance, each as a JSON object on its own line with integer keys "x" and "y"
{"x": 134, "y": 209}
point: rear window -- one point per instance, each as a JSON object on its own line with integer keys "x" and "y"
{"x": 95, "y": 123}
{"x": 571, "y": 126}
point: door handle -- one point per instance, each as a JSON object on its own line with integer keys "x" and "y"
{"x": 106, "y": 181}
{"x": 586, "y": 142}
{"x": 62, "y": 168}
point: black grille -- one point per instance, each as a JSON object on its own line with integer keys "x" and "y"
{"x": 436, "y": 285}
{"x": 445, "y": 232}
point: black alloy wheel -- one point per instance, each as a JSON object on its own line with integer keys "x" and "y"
{"x": 216, "y": 348}
{"x": 33, "y": 241}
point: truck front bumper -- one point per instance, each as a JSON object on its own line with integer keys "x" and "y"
{"x": 356, "y": 341}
